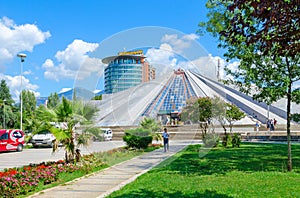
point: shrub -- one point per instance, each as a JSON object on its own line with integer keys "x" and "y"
{"x": 226, "y": 140}
{"x": 236, "y": 140}
{"x": 138, "y": 138}
{"x": 210, "y": 140}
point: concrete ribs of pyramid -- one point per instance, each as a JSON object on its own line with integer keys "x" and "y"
{"x": 165, "y": 98}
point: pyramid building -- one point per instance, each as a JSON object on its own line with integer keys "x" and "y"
{"x": 164, "y": 99}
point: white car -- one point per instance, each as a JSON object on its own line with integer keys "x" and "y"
{"x": 44, "y": 139}
{"x": 107, "y": 133}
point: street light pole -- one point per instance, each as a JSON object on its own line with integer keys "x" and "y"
{"x": 22, "y": 57}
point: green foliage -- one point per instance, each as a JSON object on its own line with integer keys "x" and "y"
{"x": 64, "y": 111}
{"x": 95, "y": 133}
{"x": 70, "y": 114}
{"x": 219, "y": 111}
{"x": 29, "y": 102}
{"x": 226, "y": 140}
{"x": 97, "y": 97}
{"x": 150, "y": 123}
{"x": 236, "y": 140}
{"x": 53, "y": 100}
{"x": 29, "y": 107}
{"x": 84, "y": 111}
{"x": 8, "y": 112}
{"x": 233, "y": 114}
{"x": 138, "y": 138}
{"x": 198, "y": 110}
{"x": 5, "y": 93}
{"x": 153, "y": 126}
{"x": 205, "y": 108}
{"x": 296, "y": 117}
{"x": 190, "y": 112}
{"x": 265, "y": 43}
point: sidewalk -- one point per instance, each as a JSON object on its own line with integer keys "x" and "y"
{"x": 103, "y": 183}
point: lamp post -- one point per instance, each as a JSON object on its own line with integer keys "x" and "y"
{"x": 22, "y": 57}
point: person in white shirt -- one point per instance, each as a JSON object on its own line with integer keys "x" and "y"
{"x": 165, "y": 136}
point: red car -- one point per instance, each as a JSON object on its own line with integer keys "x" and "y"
{"x": 11, "y": 140}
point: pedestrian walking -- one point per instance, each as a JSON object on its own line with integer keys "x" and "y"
{"x": 257, "y": 125}
{"x": 165, "y": 136}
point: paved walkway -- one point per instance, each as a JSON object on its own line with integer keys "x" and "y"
{"x": 103, "y": 183}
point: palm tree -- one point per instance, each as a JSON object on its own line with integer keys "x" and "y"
{"x": 70, "y": 115}
{"x": 151, "y": 124}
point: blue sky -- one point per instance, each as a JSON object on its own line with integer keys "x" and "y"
{"x": 62, "y": 37}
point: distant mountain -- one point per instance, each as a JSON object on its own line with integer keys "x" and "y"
{"x": 41, "y": 101}
{"x": 80, "y": 93}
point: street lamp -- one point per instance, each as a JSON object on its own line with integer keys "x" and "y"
{"x": 22, "y": 57}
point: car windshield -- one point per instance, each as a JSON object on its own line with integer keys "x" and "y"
{"x": 45, "y": 132}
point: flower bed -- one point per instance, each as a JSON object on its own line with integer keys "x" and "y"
{"x": 21, "y": 181}
{"x": 36, "y": 177}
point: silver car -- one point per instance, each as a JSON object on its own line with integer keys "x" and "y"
{"x": 43, "y": 139}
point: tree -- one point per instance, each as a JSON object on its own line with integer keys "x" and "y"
{"x": 205, "y": 113}
{"x": 53, "y": 100}
{"x": 233, "y": 114}
{"x": 5, "y": 93}
{"x": 190, "y": 111}
{"x": 153, "y": 126}
{"x": 40, "y": 120}
{"x": 7, "y": 109}
{"x": 264, "y": 36}
{"x": 98, "y": 97}
{"x": 198, "y": 110}
{"x": 69, "y": 114}
{"x": 219, "y": 112}
{"x": 226, "y": 114}
{"x": 29, "y": 106}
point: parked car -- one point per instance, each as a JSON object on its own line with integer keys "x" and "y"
{"x": 43, "y": 139}
{"x": 11, "y": 140}
{"x": 107, "y": 133}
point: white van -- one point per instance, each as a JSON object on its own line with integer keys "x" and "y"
{"x": 107, "y": 133}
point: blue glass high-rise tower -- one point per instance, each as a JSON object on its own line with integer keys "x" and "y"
{"x": 126, "y": 70}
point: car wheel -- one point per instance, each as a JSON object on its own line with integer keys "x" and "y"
{"x": 20, "y": 148}
{"x": 35, "y": 146}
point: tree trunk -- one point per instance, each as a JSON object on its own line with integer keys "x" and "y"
{"x": 288, "y": 129}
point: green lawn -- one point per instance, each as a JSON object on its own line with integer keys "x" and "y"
{"x": 254, "y": 170}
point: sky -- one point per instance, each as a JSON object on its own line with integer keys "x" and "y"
{"x": 65, "y": 41}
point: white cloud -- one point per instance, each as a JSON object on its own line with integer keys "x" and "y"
{"x": 177, "y": 43}
{"x": 169, "y": 55}
{"x": 73, "y": 62}
{"x": 27, "y": 72}
{"x": 14, "y": 84}
{"x": 162, "y": 59}
{"x": 17, "y": 38}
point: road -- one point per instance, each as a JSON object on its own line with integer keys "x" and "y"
{"x": 38, "y": 155}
